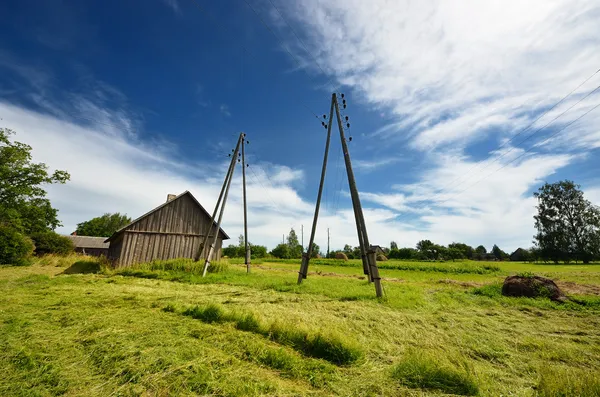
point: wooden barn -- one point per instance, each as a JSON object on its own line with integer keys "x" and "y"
{"x": 95, "y": 246}
{"x": 174, "y": 229}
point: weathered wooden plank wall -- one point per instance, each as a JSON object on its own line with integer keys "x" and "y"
{"x": 174, "y": 231}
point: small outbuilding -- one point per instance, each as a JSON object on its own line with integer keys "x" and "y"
{"x": 95, "y": 246}
{"x": 175, "y": 229}
{"x": 520, "y": 255}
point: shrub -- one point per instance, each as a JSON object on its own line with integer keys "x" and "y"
{"x": 341, "y": 255}
{"x": 15, "y": 248}
{"x": 51, "y": 243}
{"x": 418, "y": 371}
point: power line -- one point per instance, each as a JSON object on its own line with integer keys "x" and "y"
{"x": 333, "y": 87}
{"x": 281, "y": 43}
{"x": 527, "y": 128}
{"x": 520, "y": 156}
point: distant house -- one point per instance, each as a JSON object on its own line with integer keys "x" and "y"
{"x": 175, "y": 229}
{"x": 378, "y": 250}
{"x": 520, "y": 255}
{"x": 95, "y": 246}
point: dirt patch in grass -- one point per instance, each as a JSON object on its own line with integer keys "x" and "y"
{"x": 461, "y": 283}
{"x": 572, "y": 288}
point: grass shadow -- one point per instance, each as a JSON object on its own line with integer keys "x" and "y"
{"x": 82, "y": 267}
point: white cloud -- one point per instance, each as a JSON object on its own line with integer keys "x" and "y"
{"x": 450, "y": 71}
{"x": 225, "y": 110}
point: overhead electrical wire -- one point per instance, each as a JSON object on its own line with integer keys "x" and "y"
{"x": 452, "y": 182}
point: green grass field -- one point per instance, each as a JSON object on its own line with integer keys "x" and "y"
{"x": 69, "y": 326}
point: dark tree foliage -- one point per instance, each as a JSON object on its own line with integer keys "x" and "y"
{"x": 51, "y": 243}
{"x": 568, "y": 225}
{"x": 281, "y": 251}
{"x": 15, "y": 248}
{"x": 466, "y": 251}
{"x": 393, "y": 245}
{"x": 103, "y": 226}
{"x": 294, "y": 247}
{"x": 428, "y": 249}
{"x": 23, "y": 202}
{"x": 498, "y": 253}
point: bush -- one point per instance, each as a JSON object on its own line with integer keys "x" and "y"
{"x": 15, "y": 248}
{"x": 51, "y": 243}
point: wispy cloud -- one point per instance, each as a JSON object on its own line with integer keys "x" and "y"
{"x": 224, "y": 109}
{"x": 174, "y": 5}
{"x": 372, "y": 165}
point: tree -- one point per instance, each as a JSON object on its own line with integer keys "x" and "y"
{"x": 428, "y": 249}
{"x": 23, "y": 202}
{"x": 258, "y": 251}
{"x": 316, "y": 250}
{"x": 480, "y": 253}
{"x": 498, "y": 253}
{"x": 348, "y": 251}
{"x": 295, "y": 249}
{"x": 454, "y": 253}
{"x": 231, "y": 251}
{"x": 102, "y": 226}
{"x": 568, "y": 225}
{"x": 393, "y": 245}
{"x": 51, "y": 243}
{"x": 465, "y": 250}
{"x": 15, "y": 248}
{"x": 281, "y": 251}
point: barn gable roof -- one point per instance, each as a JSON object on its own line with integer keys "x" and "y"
{"x": 118, "y": 232}
{"x": 88, "y": 241}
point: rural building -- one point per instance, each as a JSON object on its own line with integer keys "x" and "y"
{"x": 174, "y": 229}
{"x": 520, "y": 255}
{"x": 95, "y": 246}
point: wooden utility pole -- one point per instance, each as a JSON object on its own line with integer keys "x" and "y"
{"x": 225, "y": 193}
{"x": 306, "y": 256}
{"x": 367, "y": 252}
{"x": 202, "y": 247}
{"x": 246, "y": 244}
{"x": 327, "y": 242}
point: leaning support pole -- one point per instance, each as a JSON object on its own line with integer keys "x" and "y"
{"x": 246, "y": 245}
{"x": 202, "y": 246}
{"x": 306, "y": 255}
{"x": 216, "y": 236}
{"x": 366, "y": 250}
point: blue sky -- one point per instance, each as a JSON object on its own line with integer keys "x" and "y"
{"x": 140, "y": 99}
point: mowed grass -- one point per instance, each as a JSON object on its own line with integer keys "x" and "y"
{"x": 71, "y": 326}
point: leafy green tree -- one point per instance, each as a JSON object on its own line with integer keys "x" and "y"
{"x": 231, "y": 251}
{"x": 258, "y": 251}
{"x": 498, "y": 253}
{"x": 356, "y": 253}
{"x": 282, "y": 251}
{"x": 568, "y": 225}
{"x": 15, "y": 248}
{"x": 316, "y": 251}
{"x": 295, "y": 249}
{"x": 23, "y": 202}
{"x": 393, "y": 245}
{"x": 51, "y": 243}
{"x": 427, "y": 249}
{"x": 465, "y": 250}
{"x": 348, "y": 251}
{"x": 102, "y": 226}
{"x": 480, "y": 253}
{"x": 455, "y": 253}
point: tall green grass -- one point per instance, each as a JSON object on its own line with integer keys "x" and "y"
{"x": 419, "y": 371}
{"x": 330, "y": 347}
{"x": 556, "y": 382}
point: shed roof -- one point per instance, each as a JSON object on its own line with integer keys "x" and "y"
{"x": 118, "y": 232}
{"x": 88, "y": 241}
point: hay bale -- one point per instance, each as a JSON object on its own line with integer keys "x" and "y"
{"x": 381, "y": 258}
{"x": 341, "y": 255}
{"x": 532, "y": 287}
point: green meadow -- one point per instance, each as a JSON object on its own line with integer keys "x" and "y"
{"x": 72, "y": 326}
